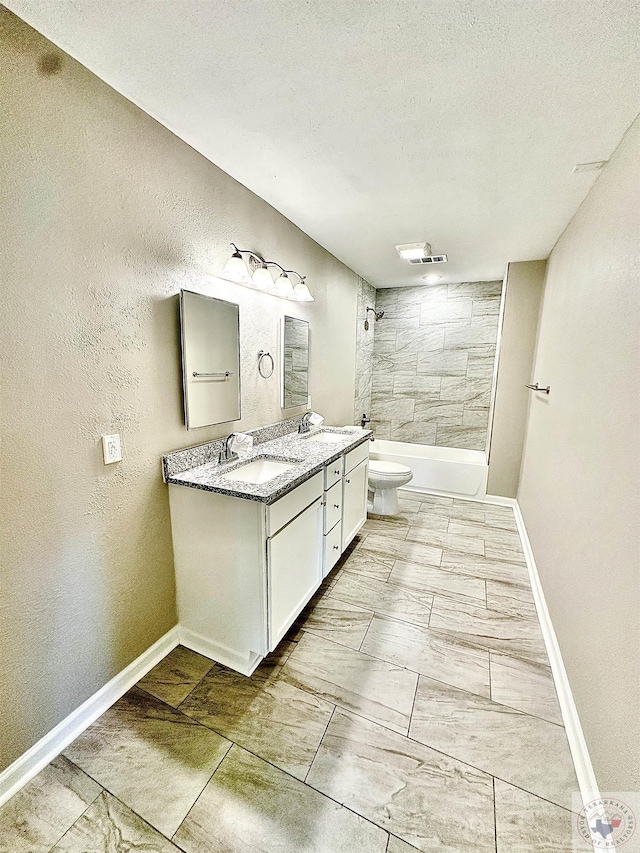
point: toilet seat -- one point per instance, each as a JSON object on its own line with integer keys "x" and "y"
{"x": 379, "y": 466}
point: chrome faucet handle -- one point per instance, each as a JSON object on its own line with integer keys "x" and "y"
{"x": 364, "y": 420}
{"x": 304, "y": 425}
{"x": 227, "y": 455}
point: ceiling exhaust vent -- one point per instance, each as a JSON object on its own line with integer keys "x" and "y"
{"x": 419, "y": 253}
{"x": 429, "y": 259}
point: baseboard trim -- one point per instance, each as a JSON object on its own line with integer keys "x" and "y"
{"x": 218, "y": 652}
{"x": 577, "y": 744}
{"x": 30, "y": 763}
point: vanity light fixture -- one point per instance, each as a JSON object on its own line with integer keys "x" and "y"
{"x": 254, "y": 273}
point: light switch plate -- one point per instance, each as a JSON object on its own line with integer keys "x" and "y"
{"x": 111, "y": 448}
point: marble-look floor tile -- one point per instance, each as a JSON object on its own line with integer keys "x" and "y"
{"x": 399, "y": 549}
{"x": 500, "y": 551}
{"x": 500, "y": 517}
{"x": 428, "y": 799}
{"x": 358, "y": 682}
{"x": 428, "y": 652}
{"x": 397, "y": 845}
{"x": 489, "y": 629}
{"x": 518, "y": 748}
{"x": 411, "y": 605}
{"x": 511, "y": 598}
{"x": 524, "y": 685}
{"x": 108, "y": 826}
{"x": 436, "y": 580}
{"x": 250, "y": 806}
{"x": 268, "y": 716}
{"x": 496, "y": 536}
{"x": 368, "y": 563}
{"x": 176, "y": 675}
{"x": 392, "y": 526}
{"x": 429, "y": 500}
{"x": 463, "y": 544}
{"x": 527, "y": 824}
{"x": 335, "y": 620}
{"x": 429, "y": 520}
{"x": 469, "y": 512}
{"x": 153, "y": 758}
{"x": 39, "y": 815}
{"x": 407, "y": 506}
{"x": 482, "y": 567}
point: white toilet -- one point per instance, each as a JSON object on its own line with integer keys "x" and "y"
{"x": 384, "y": 480}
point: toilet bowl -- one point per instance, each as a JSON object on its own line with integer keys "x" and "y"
{"x": 384, "y": 479}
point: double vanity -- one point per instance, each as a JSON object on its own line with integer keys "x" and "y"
{"x": 254, "y": 538}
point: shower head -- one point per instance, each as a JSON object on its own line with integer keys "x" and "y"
{"x": 377, "y": 314}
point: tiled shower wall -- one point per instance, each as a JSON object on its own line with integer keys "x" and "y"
{"x": 434, "y": 353}
{"x": 364, "y": 350}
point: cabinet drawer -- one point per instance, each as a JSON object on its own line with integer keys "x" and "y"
{"x": 332, "y": 548}
{"x": 282, "y": 511}
{"x": 332, "y": 506}
{"x": 356, "y": 456}
{"x": 333, "y": 473}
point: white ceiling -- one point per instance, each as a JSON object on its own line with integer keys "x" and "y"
{"x": 375, "y": 122}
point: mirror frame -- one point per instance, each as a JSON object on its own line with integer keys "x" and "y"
{"x": 282, "y": 362}
{"x": 185, "y": 392}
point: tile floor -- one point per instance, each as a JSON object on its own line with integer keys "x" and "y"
{"x": 411, "y": 707}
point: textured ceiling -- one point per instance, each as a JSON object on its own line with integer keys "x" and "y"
{"x": 375, "y": 122}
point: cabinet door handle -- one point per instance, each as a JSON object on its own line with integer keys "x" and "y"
{"x": 347, "y": 481}
{"x": 336, "y": 506}
{"x": 336, "y": 472}
{"x": 335, "y": 548}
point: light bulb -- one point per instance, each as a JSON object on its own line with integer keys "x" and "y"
{"x": 283, "y": 286}
{"x": 235, "y": 268}
{"x": 262, "y": 278}
{"x": 301, "y": 293}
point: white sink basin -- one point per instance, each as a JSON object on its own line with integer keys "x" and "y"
{"x": 327, "y": 437}
{"x": 259, "y": 471}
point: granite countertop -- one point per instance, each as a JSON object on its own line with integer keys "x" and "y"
{"x": 308, "y": 455}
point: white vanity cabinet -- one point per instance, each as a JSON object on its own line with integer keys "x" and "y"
{"x": 354, "y": 493}
{"x": 294, "y": 558}
{"x": 245, "y": 569}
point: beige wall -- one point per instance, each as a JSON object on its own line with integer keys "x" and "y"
{"x": 105, "y": 216}
{"x": 580, "y": 482}
{"x": 524, "y": 283}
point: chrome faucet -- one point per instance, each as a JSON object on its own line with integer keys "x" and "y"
{"x": 364, "y": 420}
{"x": 227, "y": 455}
{"x": 304, "y": 426}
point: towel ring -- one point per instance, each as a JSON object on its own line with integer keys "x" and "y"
{"x": 261, "y": 356}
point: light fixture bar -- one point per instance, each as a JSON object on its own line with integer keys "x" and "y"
{"x": 238, "y": 271}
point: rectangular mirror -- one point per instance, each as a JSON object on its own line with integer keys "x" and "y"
{"x": 209, "y": 330}
{"x": 295, "y": 362}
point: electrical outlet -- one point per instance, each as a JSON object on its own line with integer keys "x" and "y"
{"x": 309, "y": 401}
{"x": 111, "y": 449}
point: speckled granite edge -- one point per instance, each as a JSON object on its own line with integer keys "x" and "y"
{"x": 192, "y": 457}
{"x": 308, "y": 457}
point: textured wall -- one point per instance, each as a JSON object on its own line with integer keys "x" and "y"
{"x": 523, "y": 292}
{"x": 580, "y": 483}
{"x": 105, "y": 216}
{"x": 434, "y": 355}
{"x": 364, "y": 350}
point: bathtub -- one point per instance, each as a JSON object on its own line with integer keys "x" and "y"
{"x": 443, "y": 470}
